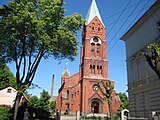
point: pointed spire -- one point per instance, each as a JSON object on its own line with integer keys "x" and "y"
{"x": 66, "y": 71}
{"x": 92, "y": 12}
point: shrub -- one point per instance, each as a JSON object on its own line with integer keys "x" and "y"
{"x": 4, "y": 113}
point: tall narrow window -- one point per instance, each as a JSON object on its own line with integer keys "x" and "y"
{"x": 99, "y": 68}
{"x": 61, "y": 100}
{"x": 93, "y": 26}
{"x": 92, "y": 48}
{"x": 98, "y": 49}
{"x": 92, "y": 67}
{"x": 67, "y": 94}
{"x": 158, "y": 26}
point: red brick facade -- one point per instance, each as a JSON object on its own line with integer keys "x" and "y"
{"x": 79, "y": 92}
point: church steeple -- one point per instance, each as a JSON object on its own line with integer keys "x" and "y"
{"x": 65, "y": 75}
{"x": 92, "y": 12}
{"x": 94, "y": 61}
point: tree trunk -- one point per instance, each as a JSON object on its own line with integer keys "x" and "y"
{"x": 16, "y": 105}
{"x": 110, "y": 109}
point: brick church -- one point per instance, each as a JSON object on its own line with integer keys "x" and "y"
{"x": 80, "y": 92}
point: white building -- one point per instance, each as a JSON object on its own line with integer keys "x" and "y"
{"x": 7, "y": 96}
{"x": 143, "y": 83}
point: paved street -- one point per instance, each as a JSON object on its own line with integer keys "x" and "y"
{"x": 68, "y": 118}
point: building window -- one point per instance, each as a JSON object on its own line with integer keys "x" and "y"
{"x": 99, "y": 68}
{"x": 95, "y": 39}
{"x": 61, "y": 100}
{"x": 77, "y": 92}
{"x": 72, "y": 95}
{"x": 99, "y": 29}
{"x": 93, "y": 26}
{"x": 95, "y": 87}
{"x": 8, "y": 90}
{"x": 158, "y": 26}
{"x": 92, "y": 67}
{"x": 92, "y": 48}
{"x": 98, "y": 49}
{"x": 67, "y": 94}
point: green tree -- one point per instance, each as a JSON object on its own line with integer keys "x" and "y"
{"x": 106, "y": 89}
{"x": 33, "y": 101}
{"x": 124, "y": 101}
{"x": 153, "y": 57}
{"x": 42, "y": 105}
{"x": 43, "y": 101}
{"x": 6, "y": 77}
{"x": 53, "y": 106}
{"x": 32, "y": 30}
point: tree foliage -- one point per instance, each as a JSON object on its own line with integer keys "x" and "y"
{"x": 4, "y": 113}
{"x": 41, "y": 106}
{"x": 153, "y": 57}
{"x": 36, "y": 29}
{"x": 33, "y": 101}
{"x": 43, "y": 101}
{"x": 32, "y": 30}
{"x": 53, "y": 106}
{"x": 124, "y": 101}
{"x": 6, "y": 77}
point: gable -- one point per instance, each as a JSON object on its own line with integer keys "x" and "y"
{"x": 96, "y": 96}
{"x": 8, "y": 89}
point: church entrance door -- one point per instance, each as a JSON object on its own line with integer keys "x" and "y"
{"x": 95, "y": 106}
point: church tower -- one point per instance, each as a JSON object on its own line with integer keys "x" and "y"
{"x": 80, "y": 91}
{"x": 93, "y": 52}
{"x": 94, "y": 63}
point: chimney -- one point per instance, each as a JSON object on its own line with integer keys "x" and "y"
{"x": 52, "y": 87}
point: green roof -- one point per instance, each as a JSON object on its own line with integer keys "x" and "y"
{"x": 92, "y": 12}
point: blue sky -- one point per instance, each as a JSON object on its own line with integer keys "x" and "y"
{"x": 110, "y": 11}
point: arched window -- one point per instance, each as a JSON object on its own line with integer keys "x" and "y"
{"x": 93, "y": 26}
{"x": 92, "y": 68}
{"x": 99, "y": 68}
{"x": 61, "y": 100}
{"x": 92, "y": 48}
{"x": 99, "y": 29}
{"x": 67, "y": 94}
{"x": 98, "y": 49}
